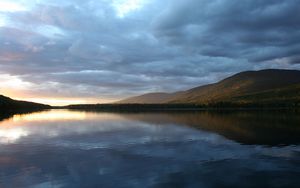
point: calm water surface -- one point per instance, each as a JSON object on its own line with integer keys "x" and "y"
{"x": 61, "y": 148}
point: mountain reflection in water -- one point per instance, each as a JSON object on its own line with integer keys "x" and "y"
{"x": 246, "y": 127}
{"x": 61, "y": 148}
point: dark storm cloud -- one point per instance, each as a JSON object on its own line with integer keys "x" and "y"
{"x": 255, "y": 30}
{"x": 86, "y": 47}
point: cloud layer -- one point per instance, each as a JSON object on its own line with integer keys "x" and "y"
{"x": 112, "y": 49}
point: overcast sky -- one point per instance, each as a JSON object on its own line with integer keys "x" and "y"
{"x": 68, "y": 51}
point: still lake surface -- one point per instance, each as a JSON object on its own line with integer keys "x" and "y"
{"x": 62, "y": 148}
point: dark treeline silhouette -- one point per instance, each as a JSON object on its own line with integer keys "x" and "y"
{"x": 185, "y": 107}
{"x": 135, "y": 107}
{"x": 8, "y": 105}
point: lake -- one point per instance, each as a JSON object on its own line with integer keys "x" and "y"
{"x": 62, "y": 148}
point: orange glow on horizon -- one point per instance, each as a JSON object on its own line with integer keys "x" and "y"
{"x": 54, "y": 101}
{"x": 17, "y": 95}
{"x": 63, "y": 101}
{"x": 16, "y": 88}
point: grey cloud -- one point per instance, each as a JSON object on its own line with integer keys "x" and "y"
{"x": 233, "y": 28}
{"x": 82, "y": 48}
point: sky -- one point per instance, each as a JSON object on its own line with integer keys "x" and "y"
{"x": 96, "y": 51}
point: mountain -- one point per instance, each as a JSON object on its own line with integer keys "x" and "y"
{"x": 149, "y": 98}
{"x": 280, "y": 95}
{"x": 9, "y": 105}
{"x": 244, "y": 87}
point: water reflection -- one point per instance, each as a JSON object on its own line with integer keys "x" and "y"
{"x": 56, "y": 123}
{"x": 61, "y": 148}
{"x": 51, "y": 115}
{"x": 247, "y": 127}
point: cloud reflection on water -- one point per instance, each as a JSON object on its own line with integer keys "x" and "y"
{"x": 147, "y": 150}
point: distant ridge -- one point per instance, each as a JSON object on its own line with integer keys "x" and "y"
{"x": 149, "y": 98}
{"x": 9, "y": 105}
{"x": 268, "y": 85}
